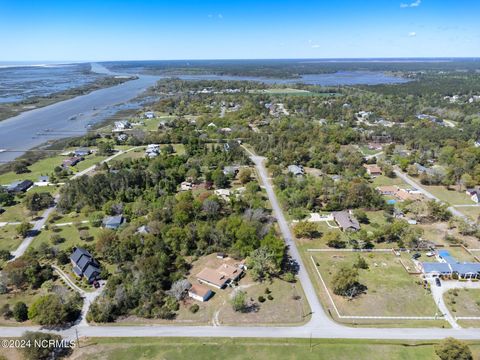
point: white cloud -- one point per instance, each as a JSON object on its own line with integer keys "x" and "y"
{"x": 416, "y": 3}
{"x": 412, "y": 34}
{"x": 315, "y": 46}
{"x": 220, "y": 16}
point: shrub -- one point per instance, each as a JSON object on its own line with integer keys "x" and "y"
{"x": 20, "y": 311}
{"x": 270, "y": 297}
{"x": 194, "y": 308}
{"x": 261, "y": 299}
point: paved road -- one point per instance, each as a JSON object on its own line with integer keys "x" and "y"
{"x": 320, "y": 325}
{"x": 429, "y": 195}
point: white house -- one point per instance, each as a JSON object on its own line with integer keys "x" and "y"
{"x": 199, "y": 292}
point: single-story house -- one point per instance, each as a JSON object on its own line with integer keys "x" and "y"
{"x": 82, "y": 152}
{"x": 43, "y": 179}
{"x": 474, "y": 194}
{"x": 199, "y": 292}
{"x": 113, "y": 222}
{"x": 296, "y": 170}
{"x": 220, "y": 277}
{"x": 373, "y": 169}
{"x": 387, "y": 190}
{"x": 346, "y": 221}
{"x": 84, "y": 265}
{"x": 19, "y": 186}
{"x": 448, "y": 265}
{"x": 72, "y": 161}
{"x": 149, "y": 115}
{"x": 122, "y": 125}
{"x": 152, "y": 150}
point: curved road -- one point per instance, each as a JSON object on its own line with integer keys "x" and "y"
{"x": 320, "y": 325}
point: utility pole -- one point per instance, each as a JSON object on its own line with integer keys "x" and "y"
{"x": 78, "y": 341}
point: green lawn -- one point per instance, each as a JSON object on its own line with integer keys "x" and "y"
{"x": 391, "y": 291}
{"x": 70, "y": 233}
{"x": 384, "y": 180}
{"x": 250, "y": 348}
{"x": 9, "y": 240}
{"x": 452, "y": 197}
{"x": 14, "y": 213}
{"x": 471, "y": 211}
{"x": 463, "y": 302}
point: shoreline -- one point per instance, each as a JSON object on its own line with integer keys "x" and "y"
{"x": 12, "y": 109}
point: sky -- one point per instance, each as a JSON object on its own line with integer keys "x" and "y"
{"x": 88, "y": 30}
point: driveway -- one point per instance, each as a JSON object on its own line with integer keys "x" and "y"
{"x": 429, "y": 195}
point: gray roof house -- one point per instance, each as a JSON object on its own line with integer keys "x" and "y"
{"x": 230, "y": 170}
{"x": 296, "y": 170}
{"x": 84, "y": 265}
{"x": 19, "y": 186}
{"x": 112, "y": 222}
{"x": 82, "y": 152}
{"x": 346, "y": 221}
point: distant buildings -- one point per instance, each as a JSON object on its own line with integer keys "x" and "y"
{"x": 474, "y": 194}
{"x": 449, "y": 266}
{"x": 122, "y": 125}
{"x": 152, "y": 150}
{"x": 149, "y": 115}
{"x": 82, "y": 152}
{"x": 400, "y": 194}
{"x": 72, "y": 161}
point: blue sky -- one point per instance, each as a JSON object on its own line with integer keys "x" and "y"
{"x": 139, "y": 30}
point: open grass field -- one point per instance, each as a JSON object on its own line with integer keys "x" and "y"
{"x": 9, "y": 240}
{"x": 15, "y": 213}
{"x": 384, "y": 180}
{"x": 471, "y": 211}
{"x": 69, "y": 233}
{"x": 265, "y": 349}
{"x": 452, "y": 197}
{"x": 463, "y": 302}
{"x": 391, "y": 291}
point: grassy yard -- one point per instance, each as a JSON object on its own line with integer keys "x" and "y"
{"x": 463, "y": 302}
{"x": 239, "y": 349}
{"x": 452, "y": 197}
{"x": 384, "y": 180}
{"x": 471, "y": 211}
{"x": 69, "y": 233}
{"x": 15, "y": 213}
{"x": 9, "y": 240}
{"x": 391, "y": 291}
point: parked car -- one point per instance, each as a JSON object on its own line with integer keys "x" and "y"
{"x": 438, "y": 282}
{"x": 430, "y": 254}
{"x": 416, "y": 256}
{"x": 96, "y": 284}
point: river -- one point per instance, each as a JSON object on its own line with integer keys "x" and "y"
{"x": 33, "y": 128}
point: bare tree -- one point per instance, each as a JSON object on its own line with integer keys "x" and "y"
{"x": 179, "y": 288}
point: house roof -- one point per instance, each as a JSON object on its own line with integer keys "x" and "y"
{"x": 373, "y": 168}
{"x": 91, "y": 271}
{"x": 199, "y": 290}
{"x": 435, "y": 267}
{"x": 345, "y": 220}
{"x": 296, "y": 170}
{"x": 78, "y": 253}
{"x": 219, "y": 276}
{"x": 113, "y": 220}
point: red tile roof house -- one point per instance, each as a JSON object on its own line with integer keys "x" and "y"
{"x": 199, "y": 292}
{"x": 221, "y": 277}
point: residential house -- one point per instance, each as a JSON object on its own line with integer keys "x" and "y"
{"x": 84, "y": 265}
{"x": 81, "y": 152}
{"x": 474, "y": 194}
{"x": 152, "y": 150}
{"x": 387, "y": 190}
{"x": 199, "y": 292}
{"x": 224, "y": 275}
{"x": 19, "y": 186}
{"x": 43, "y": 179}
{"x": 447, "y": 265}
{"x": 122, "y": 125}
{"x": 72, "y": 161}
{"x": 113, "y": 222}
{"x": 373, "y": 169}
{"x": 346, "y": 221}
{"x": 296, "y": 170}
{"x": 149, "y": 115}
